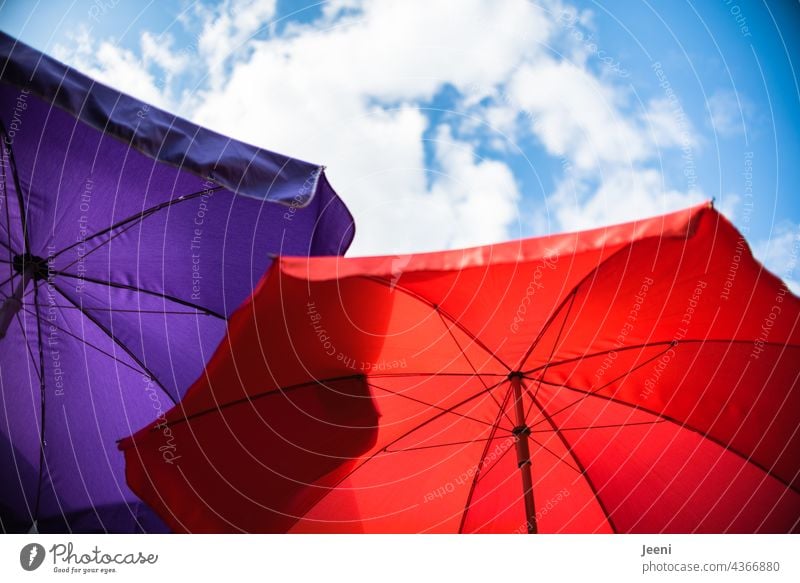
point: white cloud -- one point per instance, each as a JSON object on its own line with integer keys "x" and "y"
{"x": 780, "y": 253}
{"x": 668, "y": 126}
{"x": 728, "y": 204}
{"x": 482, "y": 193}
{"x": 624, "y": 194}
{"x": 588, "y": 120}
{"x": 325, "y": 94}
{"x": 226, "y": 27}
{"x": 332, "y": 9}
{"x": 349, "y": 91}
{"x": 576, "y": 115}
{"x": 110, "y": 64}
{"x": 613, "y": 158}
{"x": 160, "y": 52}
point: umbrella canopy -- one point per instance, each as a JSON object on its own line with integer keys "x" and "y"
{"x": 127, "y": 237}
{"x": 636, "y": 378}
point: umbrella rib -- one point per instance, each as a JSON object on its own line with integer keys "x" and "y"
{"x": 12, "y": 164}
{"x": 680, "y": 424}
{"x": 560, "y": 332}
{"x": 87, "y": 343}
{"x": 601, "y": 387}
{"x": 137, "y": 289}
{"x": 98, "y": 247}
{"x": 434, "y": 374}
{"x": 140, "y": 215}
{"x": 35, "y": 514}
{"x": 127, "y": 350}
{"x": 8, "y": 228}
{"x": 480, "y": 464}
{"x": 360, "y": 464}
{"x": 472, "y": 366}
{"x": 655, "y": 343}
{"x": 578, "y": 463}
{"x": 81, "y": 476}
{"x": 42, "y": 393}
{"x": 609, "y": 426}
{"x": 432, "y": 406}
{"x": 124, "y": 311}
{"x": 600, "y": 353}
{"x": 555, "y": 455}
{"x": 10, "y": 250}
{"x": 439, "y": 309}
{"x": 574, "y": 290}
{"x": 435, "y": 445}
{"x": 42, "y": 461}
{"x": 28, "y": 345}
{"x": 5, "y": 281}
{"x": 251, "y": 398}
{"x": 405, "y": 434}
{"x": 494, "y": 464}
{"x": 8, "y": 220}
{"x": 553, "y": 350}
{"x": 14, "y": 458}
{"x": 570, "y": 298}
{"x": 319, "y": 382}
{"x": 447, "y": 410}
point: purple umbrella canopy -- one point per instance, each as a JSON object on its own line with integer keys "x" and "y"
{"x": 127, "y": 237}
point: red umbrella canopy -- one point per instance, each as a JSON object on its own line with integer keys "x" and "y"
{"x": 636, "y": 378}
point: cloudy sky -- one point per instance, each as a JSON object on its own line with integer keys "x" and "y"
{"x": 449, "y": 123}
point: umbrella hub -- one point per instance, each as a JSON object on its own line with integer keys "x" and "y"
{"x": 521, "y": 431}
{"x": 31, "y": 265}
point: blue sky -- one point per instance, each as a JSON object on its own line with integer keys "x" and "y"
{"x": 449, "y": 124}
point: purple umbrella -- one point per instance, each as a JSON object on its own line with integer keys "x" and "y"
{"x": 127, "y": 237}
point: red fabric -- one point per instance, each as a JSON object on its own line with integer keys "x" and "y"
{"x": 660, "y": 365}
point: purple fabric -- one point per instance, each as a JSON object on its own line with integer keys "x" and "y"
{"x": 140, "y": 280}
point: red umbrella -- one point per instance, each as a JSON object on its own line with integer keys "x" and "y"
{"x": 636, "y": 378}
